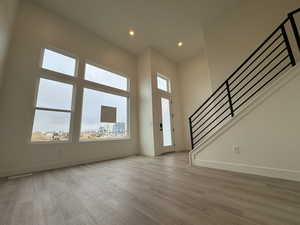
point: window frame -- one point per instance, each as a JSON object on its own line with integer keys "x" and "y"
{"x": 159, "y": 75}
{"x": 71, "y": 111}
{"x": 110, "y": 90}
{"x": 79, "y": 83}
{"x": 62, "y": 52}
{"x": 58, "y": 77}
{"x": 127, "y": 137}
{"x": 109, "y": 70}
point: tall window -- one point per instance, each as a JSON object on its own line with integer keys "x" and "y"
{"x": 94, "y": 125}
{"x": 53, "y": 109}
{"x": 104, "y": 110}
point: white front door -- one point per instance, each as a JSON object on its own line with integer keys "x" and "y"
{"x": 163, "y": 116}
{"x": 165, "y": 124}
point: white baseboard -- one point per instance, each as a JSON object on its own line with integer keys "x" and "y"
{"x": 250, "y": 169}
{"x": 54, "y": 165}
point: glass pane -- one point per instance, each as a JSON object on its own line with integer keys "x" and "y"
{"x": 59, "y": 63}
{"x": 166, "y": 122}
{"x": 91, "y": 126}
{"x": 162, "y": 84}
{"x": 54, "y": 95}
{"x": 101, "y": 76}
{"x": 50, "y": 126}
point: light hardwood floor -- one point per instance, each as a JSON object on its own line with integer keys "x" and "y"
{"x": 147, "y": 191}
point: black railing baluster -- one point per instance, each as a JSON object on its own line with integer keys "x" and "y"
{"x": 209, "y": 116}
{"x": 229, "y": 98}
{"x": 288, "y": 46}
{"x": 191, "y": 133}
{"x": 295, "y": 29}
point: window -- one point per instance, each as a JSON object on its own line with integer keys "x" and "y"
{"x": 163, "y": 84}
{"x": 92, "y": 127}
{"x": 52, "y": 112}
{"x": 54, "y": 95}
{"x": 101, "y": 76}
{"x": 166, "y": 122}
{"x": 104, "y": 110}
{"x": 58, "y": 63}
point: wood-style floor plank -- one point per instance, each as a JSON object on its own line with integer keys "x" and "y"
{"x": 148, "y": 191}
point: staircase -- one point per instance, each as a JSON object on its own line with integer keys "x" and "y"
{"x": 273, "y": 57}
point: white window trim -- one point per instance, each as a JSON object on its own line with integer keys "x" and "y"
{"x": 79, "y": 83}
{"x": 110, "y": 90}
{"x": 63, "y": 52}
{"x": 128, "y": 136}
{"x": 71, "y": 111}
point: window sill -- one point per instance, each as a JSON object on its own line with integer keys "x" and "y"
{"x": 49, "y": 142}
{"x": 106, "y": 139}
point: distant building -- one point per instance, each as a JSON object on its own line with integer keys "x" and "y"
{"x": 118, "y": 129}
{"x": 102, "y": 131}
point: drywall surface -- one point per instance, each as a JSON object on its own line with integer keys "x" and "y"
{"x": 35, "y": 29}
{"x": 150, "y": 63}
{"x": 167, "y": 68}
{"x": 267, "y": 136}
{"x": 8, "y": 10}
{"x": 146, "y": 136}
{"x": 195, "y": 88}
{"x": 236, "y": 34}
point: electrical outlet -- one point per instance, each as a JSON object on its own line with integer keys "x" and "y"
{"x": 236, "y": 149}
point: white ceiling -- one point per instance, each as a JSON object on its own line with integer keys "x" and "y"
{"x": 158, "y": 23}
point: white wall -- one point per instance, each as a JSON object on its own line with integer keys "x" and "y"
{"x": 146, "y": 134}
{"x": 237, "y": 33}
{"x": 35, "y": 29}
{"x": 195, "y": 88}
{"x": 150, "y": 63}
{"x": 232, "y": 38}
{"x": 267, "y": 134}
{"x": 228, "y": 41}
{"x": 167, "y": 68}
{"x": 8, "y": 10}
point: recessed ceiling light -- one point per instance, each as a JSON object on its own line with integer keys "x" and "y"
{"x": 179, "y": 44}
{"x": 131, "y": 32}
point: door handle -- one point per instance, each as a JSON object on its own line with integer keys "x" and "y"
{"x": 160, "y": 127}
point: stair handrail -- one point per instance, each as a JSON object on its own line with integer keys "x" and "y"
{"x": 226, "y": 91}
